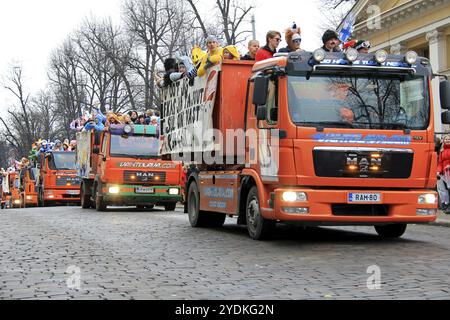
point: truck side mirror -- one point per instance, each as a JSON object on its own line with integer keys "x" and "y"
{"x": 96, "y": 150}
{"x": 261, "y": 113}
{"x": 260, "y": 90}
{"x": 445, "y": 94}
{"x": 446, "y": 117}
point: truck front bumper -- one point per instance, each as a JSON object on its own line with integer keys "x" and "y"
{"x": 135, "y": 195}
{"x": 62, "y": 195}
{"x": 338, "y": 207}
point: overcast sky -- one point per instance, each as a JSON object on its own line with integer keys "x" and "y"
{"x": 31, "y": 29}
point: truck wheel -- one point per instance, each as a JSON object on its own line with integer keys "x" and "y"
{"x": 391, "y": 230}
{"x": 170, "y": 206}
{"x": 85, "y": 199}
{"x": 100, "y": 204}
{"x": 197, "y": 218}
{"x": 41, "y": 202}
{"x": 258, "y": 227}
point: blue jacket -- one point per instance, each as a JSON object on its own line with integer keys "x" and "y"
{"x": 97, "y": 127}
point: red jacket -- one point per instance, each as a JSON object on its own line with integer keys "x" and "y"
{"x": 444, "y": 159}
{"x": 264, "y": 53}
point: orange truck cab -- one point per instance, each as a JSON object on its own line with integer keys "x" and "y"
{"x": 308, "y": 138}
{"x": 15, "y": 190}
{"x": 56, "y": 179}
{"x": 28, "y": 194}
{"x": 122, "y": 167}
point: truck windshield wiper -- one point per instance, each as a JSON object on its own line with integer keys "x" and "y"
{"x": 134, "y": 156}
{"x": 325, "y": 124}
{"x": 385, "y": 125}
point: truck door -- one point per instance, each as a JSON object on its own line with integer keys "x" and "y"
{"x": 267, "y": 132}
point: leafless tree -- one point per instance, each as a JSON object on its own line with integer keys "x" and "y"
{"x": 5, "y": 152}
{"x": 233, "y": 24}
{"x": 29, "y": 119}
{"x": 334, "y": 12}
{"x": 157, "y": 29}
{"x": 110, "y": 40}
{"x": 18, "y": 126}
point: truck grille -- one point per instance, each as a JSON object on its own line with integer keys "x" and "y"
{"x": 64, "y": 181}
{"x": 144, "y": 177}
{"x": 360, "y": 210}
{"x": 363, "y": 163}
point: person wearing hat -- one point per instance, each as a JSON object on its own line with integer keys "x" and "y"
{"x": 293, "y": 38}
{"x": 273, "y": 39}
{"x": 212, "y": 57}
{"x": 73, "y": 145}
{"x": 231, "y": 53}
{"x": 331, "y": 41}
{"x": 363, "y": 46}
{"x": 58, "y": 146}
{"x": 66, "y": 146}
{"x": 197, "y": 55}
{"x": 253, "y": 47}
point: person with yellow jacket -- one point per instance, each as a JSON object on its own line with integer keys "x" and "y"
{"x": 231, "y": 53}
{"x": 213, "y": 57}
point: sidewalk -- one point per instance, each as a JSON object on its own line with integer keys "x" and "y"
{"x": 443, "y": 220}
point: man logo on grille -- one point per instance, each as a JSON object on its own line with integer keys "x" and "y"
{"x": 364, "y": 164}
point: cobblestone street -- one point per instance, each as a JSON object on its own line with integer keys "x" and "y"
{"x": 133, "y": 254}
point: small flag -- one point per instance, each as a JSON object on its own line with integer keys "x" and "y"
{"x": 347, "y": 28}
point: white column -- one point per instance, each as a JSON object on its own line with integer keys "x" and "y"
{"x": 436, "y": 42}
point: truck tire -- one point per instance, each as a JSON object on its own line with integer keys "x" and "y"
{"x": 170, "y": 206}
{"x": 391, "y": 230}
{"x": 41, "y": 201}
{"x": 197, "y": 218}
{"x": 258, "y": 227}
{"x": 86, "y": 202}
{"x": 100, "y": 204}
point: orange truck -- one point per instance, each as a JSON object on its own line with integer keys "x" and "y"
{"x": 122, "y": 167}
{"x": 56, "y": 179}
{"x": 28, "y": 193}
{"x": 311, "y": 138}
{"x": 15, "y": 190}
{"x": 10, "y": 191}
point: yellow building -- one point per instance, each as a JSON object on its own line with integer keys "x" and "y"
{"x": 398, "y": 26}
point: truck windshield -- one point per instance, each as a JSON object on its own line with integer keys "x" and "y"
{"x": 62, "y": 161}
{"x": 367, "y": 102}
{"x": 134, "y": 146}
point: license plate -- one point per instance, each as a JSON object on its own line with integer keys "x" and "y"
{"x": 364, "y": 198}
{"x": 145, "y": 190}
{"x": 73, "y": 192}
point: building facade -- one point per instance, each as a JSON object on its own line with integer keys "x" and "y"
{"x": 398, "y": 26}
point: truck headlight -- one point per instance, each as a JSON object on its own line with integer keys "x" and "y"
{"x": 411, "y": 57}
{"x": 114, "y": 190}
{"x": 290, "y": 196}
{"x": 16, "y": 201}
{"x": 351, "y": 54}
{"x": 429, "y": 198}
{"x": 127, "y": 129}
{"x": 381, "y": 56}
{"x": 319, "y": 55}
{"x": 174, "y": 191}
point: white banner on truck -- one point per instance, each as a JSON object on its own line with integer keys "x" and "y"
{"x": 187, "y": 111}
{"x": 83, "y": 154}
